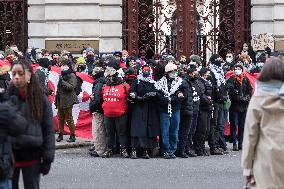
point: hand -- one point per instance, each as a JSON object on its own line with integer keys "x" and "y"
{"x": 45, "y": 168}
{"x": 180, "y": 95}
{"x": 132, "y": 95}
{"x": 92, "y": 97}
{"x": 209, "y": 97}
{"x": 2, "y": 90}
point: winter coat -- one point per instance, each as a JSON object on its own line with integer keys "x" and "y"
{"x": 37, "y": 141}
{"x": 96, "y": 104}
{"x": 4, "y": 84}
{"x": 163, "y": 101}
{"x": 219, "y": 92}
{"x": 239, "y": 94}
{"x": 9, "y": 133}
{"x": 90, "y": 66}
{"x": 66, "y": 96}
{"x": 41, "y": 78}
{"x": 263, "y": 145}
{"x": 187, "y": 104}
{"x": 207, "y": 91}
{"x": 145, "y": 115}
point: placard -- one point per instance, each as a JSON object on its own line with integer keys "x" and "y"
{"x": 73, "y": 46}
{"x": 261, "y": 41}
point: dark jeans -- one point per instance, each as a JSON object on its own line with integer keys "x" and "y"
{"x": 217, "y": 138}
{"x": 193, "y": 125}
{"x": 184, "y": 128}
{"x": 169, "y": 131}
{"x": 203, "y": 127}
{"x": 117, "y": 125}
{"x": 31, "y": 177}
{"x": 237, "y": 118}
{"x": 5, "y": 184}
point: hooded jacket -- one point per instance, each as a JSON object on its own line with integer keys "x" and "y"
{"x": 263, "y": 145}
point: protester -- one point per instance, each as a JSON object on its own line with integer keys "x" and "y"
{"x": 240, "y": 92}
{"x": 145, "y": 116}
{"x": 65, "y": 99}
{"x": 34, "y": 149}
{"x": 4, "y": 80}
{"x": 263, "y": 136}
{"x": 171, "y": 91}
{"x": 42, "y": 74}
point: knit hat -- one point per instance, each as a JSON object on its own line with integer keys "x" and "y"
{"x": 117, "y": 53}
{"x": 170, "y": 67}
{"x": 195, "y": 58}
{"x": 5, "y": 66}
{"x": 170, "y": 58}
{"x": 216, "y": 59}
{"x": 90, "y": 50}
{"x": 44, "y": 62}
{"x": 80, "y": 61}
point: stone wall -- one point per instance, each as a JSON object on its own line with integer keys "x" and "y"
{"x": 268, "y": 17}
{"x": 76, "y": 20}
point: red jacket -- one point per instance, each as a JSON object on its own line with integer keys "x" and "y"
{"x": 115, "y": 100}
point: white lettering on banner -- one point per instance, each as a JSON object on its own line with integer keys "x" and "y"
{"x": 112, "y": 95}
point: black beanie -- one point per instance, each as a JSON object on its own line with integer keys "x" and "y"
{"x": 114, "y": 64}
{"x": 44, "y": 62}
{"x": 216, "y": 59}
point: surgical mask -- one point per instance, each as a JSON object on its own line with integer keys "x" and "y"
{"x": 64, "y": 68}
{"x": 238, "y": 72}
{"x": 229, "y": 60}
{"x": 260, "y": 64}
{"x": 173, "y": 75}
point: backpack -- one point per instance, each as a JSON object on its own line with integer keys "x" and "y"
{"x": 78, "y": 88}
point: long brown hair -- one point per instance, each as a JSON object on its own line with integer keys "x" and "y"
{"x": 273, "y": 69}
{"x": 35, "y": 94}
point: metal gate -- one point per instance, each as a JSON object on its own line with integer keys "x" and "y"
{"x": 186, "y": 27}
{"x": 13, "y": 23}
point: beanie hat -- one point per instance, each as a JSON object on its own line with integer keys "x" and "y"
{"x": 5, "y": 66}
{"x": 170, "y": 58}
{"x": 55, "y": 52}
{"x": 216, "y": 59}
{"x": 117, "y": 53}
{"x": 112, "y": 68}
{"x": 90, "y": 50}
{"x": 44, "y": 62}
{"x": 80, "y": 61}
{"x": 195, "y": 58}
{"x": 170, "y": 67}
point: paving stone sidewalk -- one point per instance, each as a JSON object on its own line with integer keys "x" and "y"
{"x": 80, "y": 142}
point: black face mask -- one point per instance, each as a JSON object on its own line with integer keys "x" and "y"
{"x": 191, "y": 78}
{"x": 208, "y": 78}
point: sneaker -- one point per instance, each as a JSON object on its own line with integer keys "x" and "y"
{"x": 235, "y": 147}
{"x": 92, "y": 148}
{"x": 59, "y": 138}
{"x": 133, "y": 154}
{"x": 166, "y": 155}
{"x": 224, "y": 151}
{"x": 107, "y": 154}
{"x": 240, "y": 147}
{"x": 145, "y": 155}
{"x": 172, "y": 156}
{"x": 216, "y": 151}
{"x": 191, "y": 153}
{"x": 71, "y": 138}
{"x": 124, "y": 153}
{"x": 94, "y": 153}
{"x": 206, "y": 153}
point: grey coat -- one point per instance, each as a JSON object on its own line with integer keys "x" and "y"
{"x": 66, "y": 95}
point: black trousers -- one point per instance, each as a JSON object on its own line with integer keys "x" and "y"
{"x": 237, "y": 119}
{"x": 216, "y": 136}
{"x": 203, "y": 127}
{"x": 116, "y": 126}
{"x": 183, "y": 133}
{"x": 31, "y": 177}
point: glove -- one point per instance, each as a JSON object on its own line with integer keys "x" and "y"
{"x": 45, "y": 168}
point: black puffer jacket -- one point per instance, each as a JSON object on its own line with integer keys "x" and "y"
{"x": 96, "y": 104}
{"x": 206, "y": 104}
{"x": 37, "y": 142}
{"x": 187, "y": 103}
{"x": 4, "y": 84}
{"x": 240, "y": 94}
{"x": 196, "y": 91}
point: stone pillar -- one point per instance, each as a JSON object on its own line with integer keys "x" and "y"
{"x": 76, "y": 20}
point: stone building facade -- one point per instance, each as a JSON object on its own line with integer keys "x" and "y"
{"x": 75, "y": 20}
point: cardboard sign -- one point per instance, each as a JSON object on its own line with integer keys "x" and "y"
{"x": 73, "y": 46}
{"x": 261, "y": 41}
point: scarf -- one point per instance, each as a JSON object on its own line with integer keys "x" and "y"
{"x": 240, "y": 78}
{"x": 218, "y": 73}
{"x": 46, "y": 73}
{"x": 162, "y": 85}
{"x": 274, "y": 87}
{"x": 148, "y": 79}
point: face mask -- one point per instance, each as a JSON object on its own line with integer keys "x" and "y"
{"x": 238, "y": 72}
{"x": 229, "y": 60}
{"x": 146, "y": 74}
{"x": 260, "y": 65}
{"x": 64, "y": 68}
{"x": 173, "y": 75}
{"x": 208, "y": 78}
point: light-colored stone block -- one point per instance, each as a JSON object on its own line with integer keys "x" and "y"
{"x": 111, "y": 2}
{"x": 262, "y": 2}
{"x": 71, "y": 1}
{"x": 111, "y": 29}
{"x": 37, "y": 42}
{"x": 279, "y": 28}
{"x": 110, "y": 44}
{"x": 36, "y": 13}
{"x": 35, "y": 2}
{"x": 262, "y": 27}
{"x": 279, "y": 12}
{"x": 36, "y": 29}
{"x": 111, "y": 13}
{"x": 262, "y": 13}
{"x": 72, "y": 12}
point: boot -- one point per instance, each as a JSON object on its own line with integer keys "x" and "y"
{"x": 133, "y": 154}
{"x": 59, "y": 138}
{"x": 124, "y": 153}
{"x": 71, "y": 138}
{"x": 145, "y": 155}
{"x": 235, "y": 147}
{"x": 182, "y": 154}
{"x": 190, "y": 153}
{"x": 107, "y": 154}
{"x": 216, "y": 151}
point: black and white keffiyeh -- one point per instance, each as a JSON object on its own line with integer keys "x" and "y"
{"x": 46, "y": 73}
{"x": 148, "y": 79}
{"x": 218, "y": 73}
